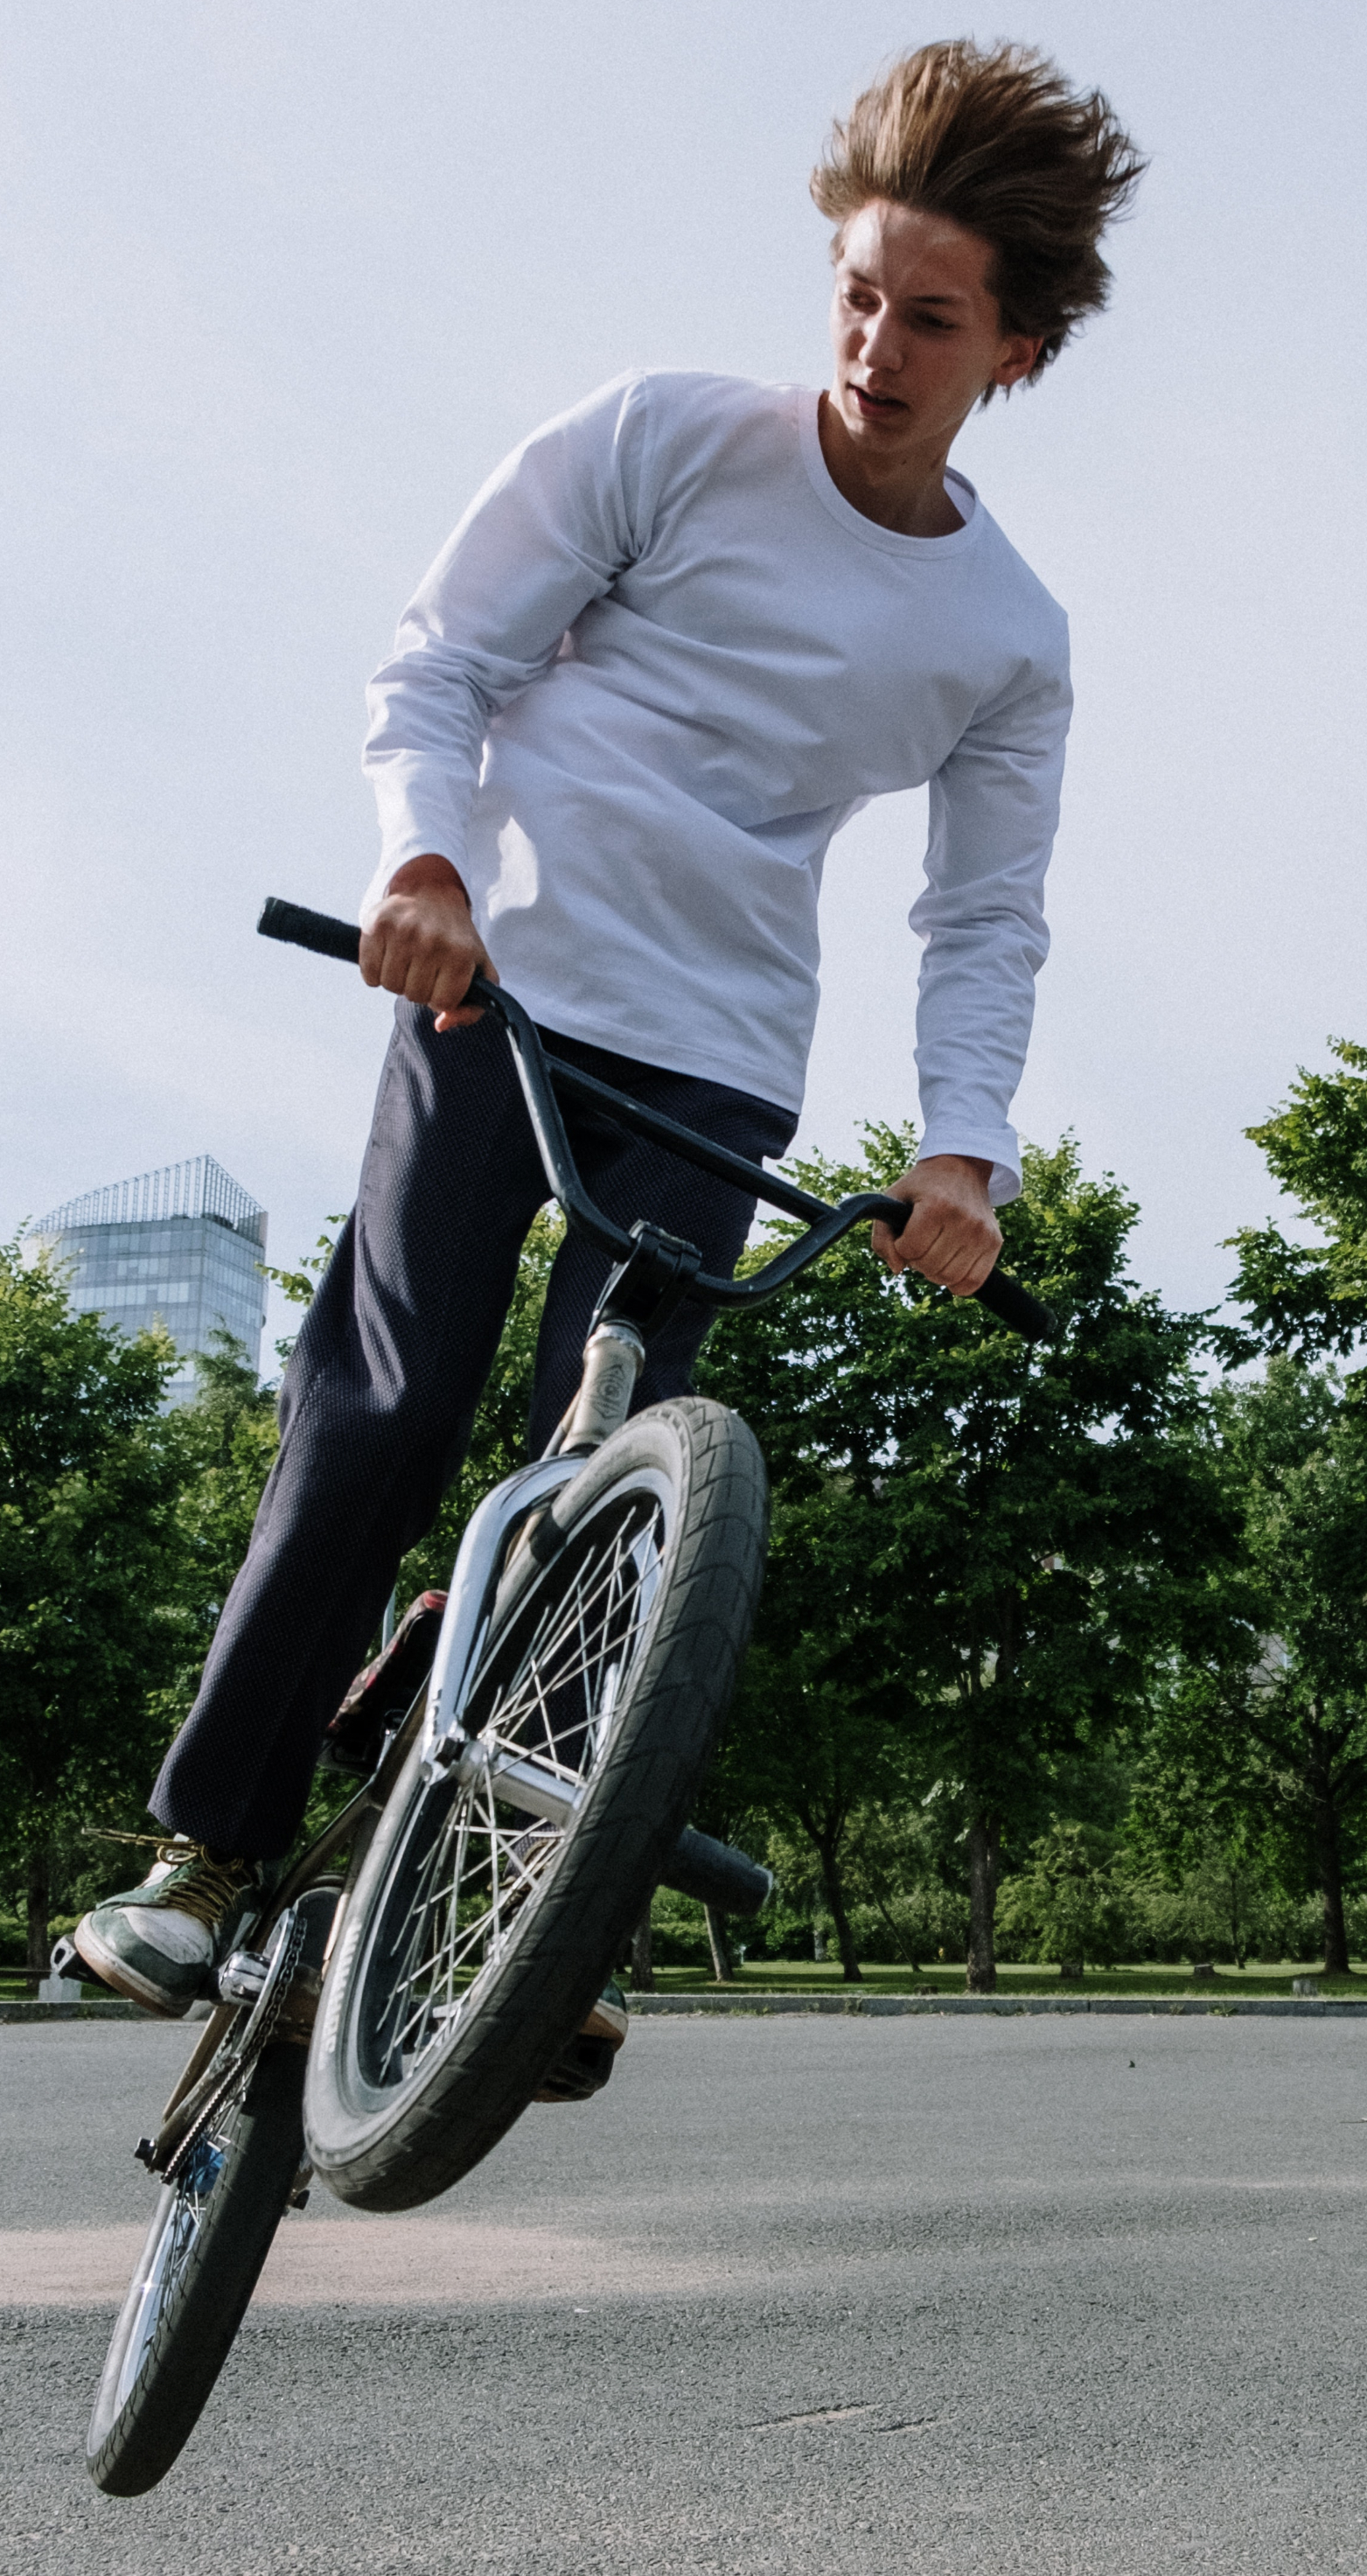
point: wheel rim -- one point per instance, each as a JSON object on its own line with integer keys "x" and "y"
{"x": 165, "y": 2256}
{"x": 474, "y": 1865}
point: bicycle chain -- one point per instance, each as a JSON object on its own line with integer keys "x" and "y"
{"x": 255, "y": 2039}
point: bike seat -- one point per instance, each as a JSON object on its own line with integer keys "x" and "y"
{"x": 382, "y": 1695}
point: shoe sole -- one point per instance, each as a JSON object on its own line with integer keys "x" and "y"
{"x": 116, "y": 1972}
{"x": 606, "y": 2021}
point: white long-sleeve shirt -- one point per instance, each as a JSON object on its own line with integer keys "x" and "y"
{"x": 658, "y": 664}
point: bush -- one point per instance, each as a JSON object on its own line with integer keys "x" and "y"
{"x": 912, "y": 1929}
{"x": 678, "y": 1931}
{"x": 1065, "y": 1904}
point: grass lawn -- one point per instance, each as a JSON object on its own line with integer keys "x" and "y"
{"x": 803, "y": 1976}
{"x": 16, "y": 1989}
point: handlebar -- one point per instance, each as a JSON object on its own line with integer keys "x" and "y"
{"x": 542, "y": 1075}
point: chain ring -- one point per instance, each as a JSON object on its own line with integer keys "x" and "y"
{"x": 256, "y": 2035}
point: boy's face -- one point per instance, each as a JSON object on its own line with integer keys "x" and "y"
{"x": 917, "y": 333}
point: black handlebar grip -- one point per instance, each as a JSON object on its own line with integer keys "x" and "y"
{"x": 1005, "y": 1298}
{"x": 305, "y": 929}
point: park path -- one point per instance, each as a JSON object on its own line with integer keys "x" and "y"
{"x": 801, "y": 2296}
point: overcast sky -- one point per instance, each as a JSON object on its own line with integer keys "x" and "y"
{"x": 281, "y": 285}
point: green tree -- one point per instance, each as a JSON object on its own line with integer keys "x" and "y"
{"x": 1311, "y": 1298}
{"x": 814, "y": 1736}
{"x": 980, "y": 1551}
{"x": 91, "y": 1472}
{"x": 1263, "y": 1732}
{"x": 228, "y": 1439}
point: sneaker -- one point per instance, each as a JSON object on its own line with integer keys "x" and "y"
{"x": 587, "y": 2060}
{"x": 609, "y": 2018}
{"x": 161, "y": 1943}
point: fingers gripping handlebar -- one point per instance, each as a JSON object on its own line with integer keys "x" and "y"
{"x": 542, "y": 1075}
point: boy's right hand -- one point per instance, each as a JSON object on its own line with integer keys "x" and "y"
{"x": 421, "y": 942}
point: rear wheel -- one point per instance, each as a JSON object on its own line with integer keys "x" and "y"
{"x": 233, "y": 2152}
{"x": 207, "y": 2242}
{"x": 498, "y": 1896}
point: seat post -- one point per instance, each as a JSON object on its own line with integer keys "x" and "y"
{"x": 614, "y": 1356}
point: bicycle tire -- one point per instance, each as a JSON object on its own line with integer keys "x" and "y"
{"x": 396, "y": 2109}
{"x": 155, "y": 2384}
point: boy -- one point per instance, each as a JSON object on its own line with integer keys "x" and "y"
{"x": 677, "y": 640}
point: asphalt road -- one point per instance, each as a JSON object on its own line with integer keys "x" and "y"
{"x": 801, "y": 2296}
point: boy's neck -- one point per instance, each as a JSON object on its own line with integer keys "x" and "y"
{"x": 904, "y": 494}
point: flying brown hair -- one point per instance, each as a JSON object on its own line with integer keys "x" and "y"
{"x": 997, "y": 140}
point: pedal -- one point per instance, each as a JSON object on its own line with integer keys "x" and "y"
{"x": 581, "y": 2070}
{"x": 242, "y": 1977}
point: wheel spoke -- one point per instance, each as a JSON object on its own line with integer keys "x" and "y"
{"x": 554, "y": 1705}
{"x": 174, "y": 2245}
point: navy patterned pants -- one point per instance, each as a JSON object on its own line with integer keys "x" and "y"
{"x": 381, "y": 1390}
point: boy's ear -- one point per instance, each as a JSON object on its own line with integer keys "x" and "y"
{"x": 1020, "y": 356}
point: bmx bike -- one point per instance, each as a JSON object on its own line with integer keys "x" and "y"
{"x": 528, "y": 1748}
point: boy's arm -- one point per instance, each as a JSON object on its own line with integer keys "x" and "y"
{"x": 993, "y": 815}
{"x": 549, "y": 532}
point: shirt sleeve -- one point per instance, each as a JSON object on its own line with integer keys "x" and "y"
{"x": 549, "y": 532}
{"x": 994, "y": 809}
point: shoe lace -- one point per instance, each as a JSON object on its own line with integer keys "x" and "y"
{"x": 203, "y": 1887}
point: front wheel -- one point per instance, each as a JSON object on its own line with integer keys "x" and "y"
{"x": 497, "y": 1897}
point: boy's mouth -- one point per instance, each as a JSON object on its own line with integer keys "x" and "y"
{"x": 875, "y": 406}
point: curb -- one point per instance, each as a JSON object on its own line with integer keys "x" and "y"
{"x": 100, "y": 2008}
{"x": 883, "y": 2007}
{"x": 114, "y": 2010}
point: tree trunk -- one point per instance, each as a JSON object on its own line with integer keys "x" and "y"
{"x": 834, "y": 1892}
{"x": 642, "y": 1967}
{"x": 1236, "y": 1932}
{"x": 898, "y": 1943}
{"x": 1330, "y": 1862}
{"x": 985, "y": 1832}
{"x": 984, "y": 1842}
{"x": 39, "y": 1911}
{"x": 723, "y": 1965}
{"x": 1328, "y": 1847}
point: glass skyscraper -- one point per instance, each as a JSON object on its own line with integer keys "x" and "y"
{"x": 182, "y": 1247}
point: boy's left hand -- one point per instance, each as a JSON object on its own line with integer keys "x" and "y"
{"x": 953, "y": 1236}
